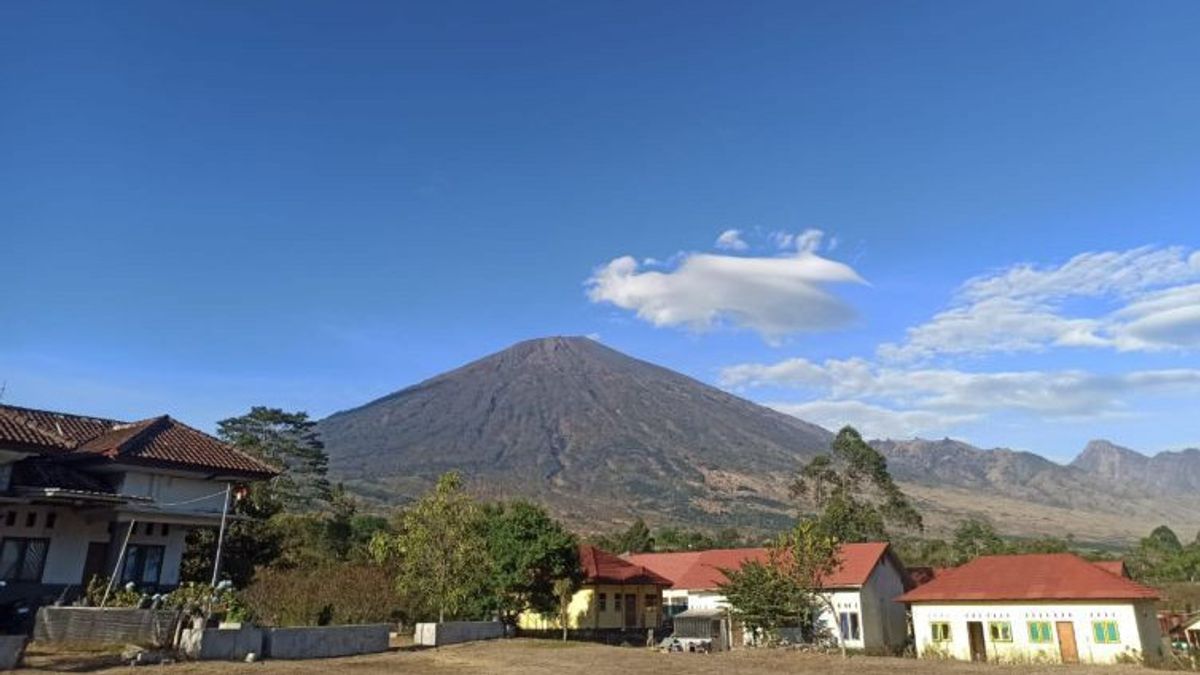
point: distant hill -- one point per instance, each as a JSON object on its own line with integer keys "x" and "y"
{"x": 1107, "y": 494}
{"x": 601, "y": 437}
{"x": 598, "y": 435}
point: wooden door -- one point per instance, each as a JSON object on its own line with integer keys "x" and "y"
{"x": 1066, "y": 641}
{"x": 975, "y": 637}
{"x": 631, "y": 612}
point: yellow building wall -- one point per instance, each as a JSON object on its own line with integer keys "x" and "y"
{"x": 585, "y": 611}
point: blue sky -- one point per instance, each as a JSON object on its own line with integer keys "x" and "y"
{"x": 207, "y": 206}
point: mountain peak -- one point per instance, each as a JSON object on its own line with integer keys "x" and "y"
{"x": 576, "y": 424}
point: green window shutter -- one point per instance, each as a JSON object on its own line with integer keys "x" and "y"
{"x": 1046, "y": 632}
{"x": 1098, "y": 631}
{"x": 1112, "y": 632}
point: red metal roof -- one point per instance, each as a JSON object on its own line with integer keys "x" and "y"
{"x": 1042, "y": 576}
{"x": 605, "y": 568}
{"x": 1116, "y": 567}
{"x": 159, "y": 441}
{"x": 701, "y": 570}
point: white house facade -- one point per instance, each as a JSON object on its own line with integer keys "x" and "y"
{"x": 1051, "y": 608}
{"x": 82, "y": 497}
{"x": 862, "y": 591}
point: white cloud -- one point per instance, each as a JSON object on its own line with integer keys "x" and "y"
{"x": 873, "y": 421}
{"x": 939, "y": 398}
{"x": 731, "y": 240}
{"x": 1024, "y": 307}
{"x": 774, "y": 296}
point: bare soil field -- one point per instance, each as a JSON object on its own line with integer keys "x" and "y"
{"x": 536, "y": 657}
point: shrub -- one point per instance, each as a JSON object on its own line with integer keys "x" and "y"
{"x": 319, "y": 596}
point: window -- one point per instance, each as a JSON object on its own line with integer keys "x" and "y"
{"x": 166, "y": 529}
{"x": 651, "y": 601}
{"x": 940, "y": 630}
{"x": 51, "y": 519}
{"x": 10, "y": 518}
{"x": 1039, "y": 632}
{"x": 143, "y": 564}
{"x": 1105, "y": 632}
{"x": 31, "y": 519}
{"x": 617, "y": 601}
{"x": 848, "y": 623}
{"x": 1001, "y": 631}
{"x": 22, "y": 559}
{"x": 602, "y": 601}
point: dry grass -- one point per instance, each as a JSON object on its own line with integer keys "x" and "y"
{"x": 538, "y": 657}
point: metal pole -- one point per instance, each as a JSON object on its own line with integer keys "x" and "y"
{"x": 221, "y": 535}
{"x": 120, "y": 561}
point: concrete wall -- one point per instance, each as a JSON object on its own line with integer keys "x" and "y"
{"x": 1136, "y": 625}
{"x": 323, "y": 642}
{"x": 884, "y": 621}
{"x": 12, "y": 648}
{"x": 201, "y": 496}
{"x": 454, "y": 632}
{"x": 222, "y": 644}
{"x": 105, "y": 626}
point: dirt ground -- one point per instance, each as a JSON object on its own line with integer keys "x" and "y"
{"x": 536, "y": 657}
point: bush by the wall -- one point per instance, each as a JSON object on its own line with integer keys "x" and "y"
{"x": 322, "y": 596}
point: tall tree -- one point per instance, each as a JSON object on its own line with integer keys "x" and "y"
{"x": 853, "y": 493}
{"x": 637, "y": 539}
{"x": 764, "y": 597}
{"x": 813, "y": 555}
{"x": 439, "y": 552}
{"x": 288, "y": 440}
{"x": 529, "y": 552}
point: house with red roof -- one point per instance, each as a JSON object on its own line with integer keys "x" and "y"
{"x": 862, "y": 590}
{"x": 1050, "y": 608}
{"x": 615, "y": 595}
{"x": 84, "y": 496}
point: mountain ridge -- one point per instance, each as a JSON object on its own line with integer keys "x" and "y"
{"x": 602, "y": 437}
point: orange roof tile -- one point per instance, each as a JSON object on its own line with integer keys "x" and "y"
{"x": 701, "y": 570}
{"x": 1043, "y": 576}
{"x": 604, "y": 567}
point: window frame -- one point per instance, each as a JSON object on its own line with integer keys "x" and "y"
{"x": 138, "y": 552}
{"x": 850, "y": 620}
{"x": 1036, "y": 636}
{"x": 943, "y": 635}
{"x": 601, "y": 602}
{"x": 22, "y": 556}
{"x": 1101, "y": 636}
{"x": 1005, "y": 630}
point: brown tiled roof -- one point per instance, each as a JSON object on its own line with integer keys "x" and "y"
{"x": 159, "y": 441}
{"x": 1034, "y": 577}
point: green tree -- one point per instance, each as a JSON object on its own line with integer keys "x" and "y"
{"x": 439, "y": 551}
{"x": 288, "y": 440}
{"x": 529, "y": 551}
{"x": 973, "y": 538}
{"x": 853, "y": 493}
{"x": 813, "y": 556}
{"x": 637, "y": 539}
{"x": 764, "y": 597}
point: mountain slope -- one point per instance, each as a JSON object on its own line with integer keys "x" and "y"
{"x": 592, "y": 432}
{"x": 600, "y": 438}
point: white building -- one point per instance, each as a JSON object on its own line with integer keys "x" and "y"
{"x": 76, "y": 491}
{"x": 863, "y": 590}
{"x": 1035, "y": 608}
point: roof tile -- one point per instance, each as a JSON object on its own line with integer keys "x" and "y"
{"x": 1043, "y": 576}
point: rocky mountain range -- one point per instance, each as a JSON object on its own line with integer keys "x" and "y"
{"x": 601, "y": 437}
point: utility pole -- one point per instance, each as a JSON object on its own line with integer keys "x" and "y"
{"x": 221, "y": 535}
